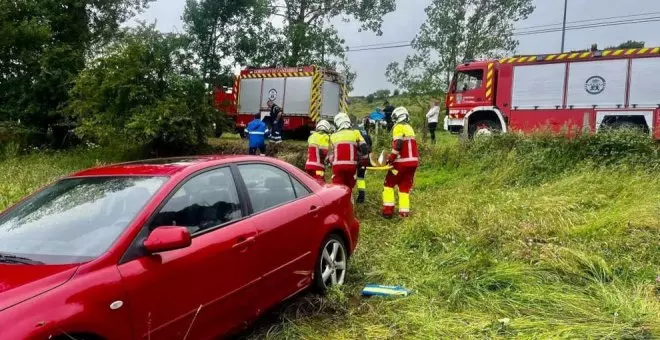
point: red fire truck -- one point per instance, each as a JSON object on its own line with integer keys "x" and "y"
{"x": 305, "y": 94}
{"x": 567, "y": 92}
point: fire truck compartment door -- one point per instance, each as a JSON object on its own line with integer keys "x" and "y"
{"x": 298, "y": 93}
{"x": 249, "y": 96}
{"x": 600, "y": 83}
{"x": 331, "y": 97}
{"x": 645, "y": 83}
{"x": 539, "y": 86}
{"x": 273, "y": 89}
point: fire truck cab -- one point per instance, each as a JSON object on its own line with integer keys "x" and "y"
{"x": 305, "y": 94}
{"x": 563, "y": 93}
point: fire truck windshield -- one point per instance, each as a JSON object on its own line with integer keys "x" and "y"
{"x": 467, "y": 80}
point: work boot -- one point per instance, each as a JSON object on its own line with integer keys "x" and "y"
{"x": 387, "y": 212}
{"x": 361, "y": 196}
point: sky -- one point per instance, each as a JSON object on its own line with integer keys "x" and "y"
{"x": 402, "y": 25}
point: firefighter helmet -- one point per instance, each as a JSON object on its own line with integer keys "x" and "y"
{"x": 400, "y": 115}
{"x": 342, "y": 121}
{"x": 324, "y": 126}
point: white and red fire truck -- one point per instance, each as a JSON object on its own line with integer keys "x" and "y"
{"x": 567, "y": 92}
{"x": 305, "y": 94}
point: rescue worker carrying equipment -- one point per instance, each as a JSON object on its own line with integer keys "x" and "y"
{"x": 257, "y": 132}
{"x": 348, "y": 149}
{"x": 362, "y": 168}
{"x": 317, "y": 152}
{"x": 405, "y": 160}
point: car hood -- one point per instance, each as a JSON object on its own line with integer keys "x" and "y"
{"x": 23, "y": 282}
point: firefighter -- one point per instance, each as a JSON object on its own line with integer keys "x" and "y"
{"x": 348, "y": 149}
{"x": 276, "y": 121}
{"x": 405, "y": 160}
{"x": 317, "y": 152}
{"x": 362, "y": 168}
{"x": 257, "y": 132}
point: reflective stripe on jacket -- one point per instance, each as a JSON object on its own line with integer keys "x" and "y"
{"x": 257, "y": 132}
{"x": 408, "y": 155}
{"x": 317, "y": 152}
{"x": 345, "y": 147}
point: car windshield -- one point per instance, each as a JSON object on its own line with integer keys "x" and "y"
{"x": 74, "y": 220}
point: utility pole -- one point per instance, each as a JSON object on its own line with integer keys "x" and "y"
{"x": 563, "y": 27}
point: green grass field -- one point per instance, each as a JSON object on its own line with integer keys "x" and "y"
{"x": 511, "y": 237}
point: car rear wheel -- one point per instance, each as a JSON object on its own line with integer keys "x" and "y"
{"x": 331, "y": 264}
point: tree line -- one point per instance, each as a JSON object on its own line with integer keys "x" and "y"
{"x": 70, "y": 70}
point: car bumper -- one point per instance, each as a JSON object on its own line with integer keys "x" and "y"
{"x": 354, "y": 232}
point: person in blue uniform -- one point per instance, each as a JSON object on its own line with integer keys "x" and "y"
{"x": 257, "y": 132}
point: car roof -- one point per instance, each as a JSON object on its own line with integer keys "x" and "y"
{"x": 160, "y": 166}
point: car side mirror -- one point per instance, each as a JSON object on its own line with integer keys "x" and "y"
{"x": 164, "y": 239}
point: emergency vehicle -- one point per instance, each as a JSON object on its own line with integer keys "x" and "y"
{"x": 567, "y": 92}
{"x": 305, "y": 94}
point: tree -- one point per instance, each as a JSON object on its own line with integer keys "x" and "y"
{"x": 223, "y": 33}
{"x": 144, "y": 89}
{"x": 382, "y": 94}
{"x": 457, "y": 30}
{"x": 396, "y": 93}
{"x": 46, "y": 43}
{"x": 628, "y": 44}
{"x": 308, "y": 38}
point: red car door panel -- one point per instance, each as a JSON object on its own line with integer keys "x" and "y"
{"x": 285, "y": 220}
{"x": 207, "y": 288}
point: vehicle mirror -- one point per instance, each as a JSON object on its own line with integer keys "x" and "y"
{"x": 164, "y": 239}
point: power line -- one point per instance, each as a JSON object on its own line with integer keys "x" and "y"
{"x": 588, "y": 20}
{"x": 536, "y": 32}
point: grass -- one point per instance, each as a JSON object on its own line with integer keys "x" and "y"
{"x": 511, "y": 237}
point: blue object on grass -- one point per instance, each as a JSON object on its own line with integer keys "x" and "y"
{"x": 378, "y": 290}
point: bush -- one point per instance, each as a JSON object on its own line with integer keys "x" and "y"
{"x": 144, "y": 90}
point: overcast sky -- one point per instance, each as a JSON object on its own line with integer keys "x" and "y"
{"x": 403, "y": 24}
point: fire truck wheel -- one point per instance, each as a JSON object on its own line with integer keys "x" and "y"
{"x": 483, "y": 128}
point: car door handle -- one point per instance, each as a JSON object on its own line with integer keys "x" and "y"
{"x": 244, "y": 241}
{"x": 313, "y": 208}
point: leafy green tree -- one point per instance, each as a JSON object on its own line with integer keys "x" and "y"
{"x": 223, "y": 33}
{"x": 457, "y": 30}
{"x": 382, "y": 94}
{"x": 45, "y": 44}
{"x": 628, "y": 44}
{"x": 396, "y": 93}
{"x": 309, "y": 39}
{"x": 144, "y": 89}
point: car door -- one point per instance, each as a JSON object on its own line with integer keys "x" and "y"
{"x": 285, "y": 214}
{"x": 206, "y": 289}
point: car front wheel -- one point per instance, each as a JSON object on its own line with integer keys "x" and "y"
{"x": 331, "y": 264}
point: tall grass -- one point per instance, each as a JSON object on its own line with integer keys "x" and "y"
{"x": 511, "y": 237}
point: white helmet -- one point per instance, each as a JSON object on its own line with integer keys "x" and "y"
{"x": 342, "y": 121}
{"x": 324, "y": 126}
{"x": 400, "y": 114}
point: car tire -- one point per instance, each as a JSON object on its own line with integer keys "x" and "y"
{"x": 331, "y": 264}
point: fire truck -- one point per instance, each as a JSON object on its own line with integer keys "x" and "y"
{"x": 305, "y": 94}
{"x": 565, "y": 93}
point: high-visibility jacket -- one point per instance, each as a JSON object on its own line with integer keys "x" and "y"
{"x": 257, "y": 132}
{"x": 403, "y": 135}
{"x": 317, "y": 152}
{"x": 345, "y": 147}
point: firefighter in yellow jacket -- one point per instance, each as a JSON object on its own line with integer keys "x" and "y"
{"x": 317, "y": 152}
{"x": 404, "y": 160}
{"x": 349, "y": 149}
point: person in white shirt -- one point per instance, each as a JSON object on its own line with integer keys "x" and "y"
{"x": 432, "y": 118}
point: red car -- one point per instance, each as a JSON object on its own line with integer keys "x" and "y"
{"x": 186, "y": 248}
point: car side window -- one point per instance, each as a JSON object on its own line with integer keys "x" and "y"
{"x": 267, "y": 186}
{"x": 205, "y": 201}
{"x": 300, "y": 189}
